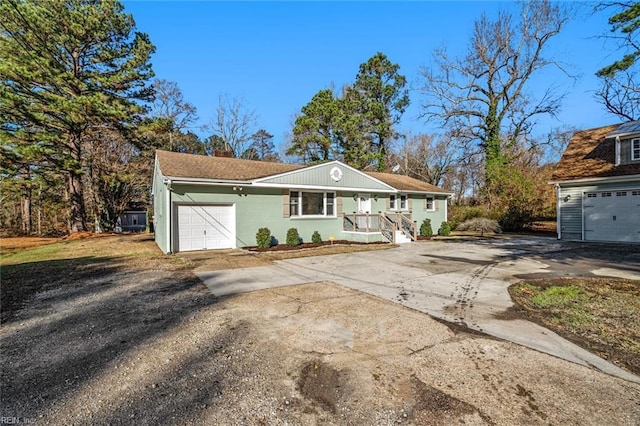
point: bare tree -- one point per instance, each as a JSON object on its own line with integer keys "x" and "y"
{"x": 620, "y": 89}
{"x": 233, "y": 125}
{"x": 169, "y": 103}
{"x": 425, "y": 157}
{"x": 620, "y": 94}
{"x": 483, "y": 95}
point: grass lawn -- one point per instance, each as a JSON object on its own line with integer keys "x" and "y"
{"x": 601, "y": 315}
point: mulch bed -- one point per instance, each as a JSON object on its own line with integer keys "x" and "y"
{"x": 286, "y": 247}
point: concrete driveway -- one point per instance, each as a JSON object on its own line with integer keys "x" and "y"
{"x": 463, "y": 282}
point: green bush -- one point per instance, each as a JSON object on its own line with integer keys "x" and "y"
{"x": 425, "y": 228}
{"x": 263, "y": 238}
{"x": 316, "y": 238}
{"x": 445, "y": 229}
{"x": 517, "y": 218}
{"x": 293, "y": 238}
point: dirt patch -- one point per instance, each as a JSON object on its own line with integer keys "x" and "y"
{"x": 320, "y": 382}
{"x": 11, "y": 245}
{"x": 435, "y": 407}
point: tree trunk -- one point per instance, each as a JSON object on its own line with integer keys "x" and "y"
{"x": 25, "y": 207}
{"x": 76, "y": 199}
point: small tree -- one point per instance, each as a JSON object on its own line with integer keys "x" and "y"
{"x": 445, "y": 229}
{"x": 425, "y": 228}
{"x": 293, "y": 238}
{"x": 263, "y": 238}
{"x": 316, "y": 238}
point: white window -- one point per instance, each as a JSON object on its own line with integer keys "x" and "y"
{"x": 635, "y": 149}
{"x": 312, "y": 203}
{"x": 621, "y": 194}
{"x": 403, "y": 202}
{"x": 430, "y": 204}
{"x": 592, "y": 195}
{"x": 392, "y": 202}
{"x": 606, "y": 194}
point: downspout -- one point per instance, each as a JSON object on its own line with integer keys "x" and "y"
{"x": 559, "y": 211}
{"x": 167, "y": 183}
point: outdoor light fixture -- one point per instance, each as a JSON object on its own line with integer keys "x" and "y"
{"x": 375, "y": 197}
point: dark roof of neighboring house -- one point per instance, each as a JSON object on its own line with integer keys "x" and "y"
{"x": 176, "y": 164}
{"x": 179, "y": 165}
{"x": 406, "y": 183}
{"x": 591, "y": 154}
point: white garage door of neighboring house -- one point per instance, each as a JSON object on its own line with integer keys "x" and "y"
{"x": 612, "y": 215}
{"x": 206, "y": 227}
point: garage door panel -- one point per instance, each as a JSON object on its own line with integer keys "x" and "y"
{"x": 612, "y": 215}
{"x": 202, "y": 227}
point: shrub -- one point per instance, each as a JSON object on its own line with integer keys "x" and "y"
{"x": 460, "y": 214}
{"x": 480, "y": 224}
{"x": 263, "y": 238}
{"x": 316, "y": 238}
{"x": 517, "y": 218}
{"x": 425, "y": 228}
{"x": 445, "y": 229}
{"x": 293, "y": 238}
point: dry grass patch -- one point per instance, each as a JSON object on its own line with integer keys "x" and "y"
{"x": 601, "y": 315}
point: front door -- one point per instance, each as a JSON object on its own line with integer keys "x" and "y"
{"x": 364, "y": 207}
{"x": 364, "y": 203}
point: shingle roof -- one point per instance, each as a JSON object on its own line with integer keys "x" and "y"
{"x": 590, "y": 154}
{"x": 406, "y": 183}
{"x": 181, "y": 165}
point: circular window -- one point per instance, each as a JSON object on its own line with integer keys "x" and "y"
{"x": 336, "y": 174}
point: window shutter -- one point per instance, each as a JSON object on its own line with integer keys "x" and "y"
{"x": 388, "y": 203}
{"x": 424, "y": 205}
{"x": 436, "y": 204}
{"x": 409, "y": 202}
{"x": 285, "y": 203}
{"x": 338, "y": 204}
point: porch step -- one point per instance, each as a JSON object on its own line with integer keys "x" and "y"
{"x": 401, "y": 238}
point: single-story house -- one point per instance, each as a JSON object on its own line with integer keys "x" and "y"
{"x": 598, "y": 185}
{"x": 203, "y": 202}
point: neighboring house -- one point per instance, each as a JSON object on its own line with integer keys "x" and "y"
{"x": 598, "y": 185}
{"x": 203, "y": 202}
{"x": 133, "y": 219}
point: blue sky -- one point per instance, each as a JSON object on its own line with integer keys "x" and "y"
{"x": 276, "y": 55}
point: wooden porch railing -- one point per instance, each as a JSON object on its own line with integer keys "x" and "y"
{"x": 365, "y": 222}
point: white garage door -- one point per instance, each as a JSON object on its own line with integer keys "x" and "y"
{"x": 206, "y": 227}
{"x": 612, "y": 215}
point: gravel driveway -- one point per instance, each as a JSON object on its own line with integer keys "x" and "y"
{"x": 148, "y": 343}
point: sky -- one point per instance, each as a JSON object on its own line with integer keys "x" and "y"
{"x": 275, "y": 56}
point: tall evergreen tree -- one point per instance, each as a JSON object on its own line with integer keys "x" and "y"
{"x": 67, "y": 68}
{"x": 383, "y": 100}
{"x": 314, "y": 129}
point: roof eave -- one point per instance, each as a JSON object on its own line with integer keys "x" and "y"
{"x": 621, "y": 178}
{"x": 206, "y": 181}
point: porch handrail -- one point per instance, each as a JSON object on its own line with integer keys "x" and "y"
{"x": 365, "y": 222}
{"x": 388, "y": 228}
{"x": 408, "y": 227}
